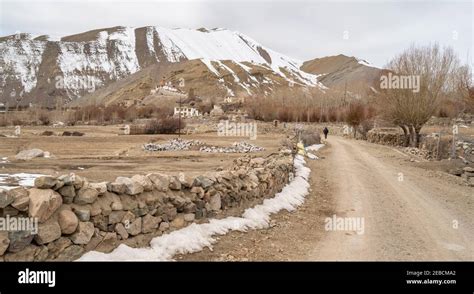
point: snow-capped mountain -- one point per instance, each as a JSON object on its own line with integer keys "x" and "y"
{"x": 41, "y": 70}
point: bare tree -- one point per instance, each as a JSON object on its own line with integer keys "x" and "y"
{"x": 421, "y": 76}
{"x": 465, "y": 87}
{"x": 355, "y": 116}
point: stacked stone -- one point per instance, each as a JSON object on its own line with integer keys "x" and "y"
{"x": 237, "y": 147}
{"x": 172, "y": 145}
{"x": 385, "y": 138}
{"x": 465, "y": 149}
{"x": 468, "y": 175}
{"x": 420, "y": 152}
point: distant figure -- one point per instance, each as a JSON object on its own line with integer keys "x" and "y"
{"x": 326, "y": 132}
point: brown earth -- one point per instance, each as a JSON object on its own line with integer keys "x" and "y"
{"x": 103, "y": 153}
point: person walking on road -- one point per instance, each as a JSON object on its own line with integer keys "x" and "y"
{"x": 326, "y": 132}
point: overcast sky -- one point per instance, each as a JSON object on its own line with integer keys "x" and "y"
{"x": 372, "y": 30}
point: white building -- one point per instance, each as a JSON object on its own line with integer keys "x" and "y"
{"x": 186, "y": 111}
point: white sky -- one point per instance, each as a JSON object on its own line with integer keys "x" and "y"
{"x": 376, "y": 30}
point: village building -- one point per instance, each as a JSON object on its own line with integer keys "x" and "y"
{"x": 217, "y": 111}
{"x": 186, "y": 111}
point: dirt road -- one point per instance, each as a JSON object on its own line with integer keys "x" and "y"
{"x": 409, "y": 213}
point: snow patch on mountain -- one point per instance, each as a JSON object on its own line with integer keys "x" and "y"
{"x": 21, "y": 58}
{"x": 110, "y": 54}
{"x": 218, "y": 45}
{"x": 149, "y": 42}
{"x": 77, "y": 58}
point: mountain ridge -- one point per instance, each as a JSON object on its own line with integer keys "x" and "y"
{"x": 46, "y": 72}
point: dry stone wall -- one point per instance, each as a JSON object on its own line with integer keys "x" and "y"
{"x": 76, "y": 215}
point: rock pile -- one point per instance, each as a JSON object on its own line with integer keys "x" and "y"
{"x": 172, "y": 145}
{"x": 75, "y": 215}
{"x": 468, "y": 175}
{"x": 422, "y": 153}
{"x": 237, "y": 147}
{"x": 183, "y": 145}
{"x": 465, "y": 149}
{"x": 385, "y": 137}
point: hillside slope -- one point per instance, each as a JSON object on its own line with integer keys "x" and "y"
{"x": 340, "y": 72}
{"x": 46, "y": 72}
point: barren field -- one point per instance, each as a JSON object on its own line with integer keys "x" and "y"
{"x": 104, "y": 153}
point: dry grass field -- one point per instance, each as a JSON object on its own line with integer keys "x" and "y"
{"x": 104, "y": 153}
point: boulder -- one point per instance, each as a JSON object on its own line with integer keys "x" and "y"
{"x": 131, "y": 187}
{"x": 215, "y": 202}
{"x": 29, "y": 154}
{"x": 186, "y": 181}
{"x": 45, "y": 182}
{"x": 101, "y": 222}
{"x": 48, "y": 232}
{"x": 108, "y": 243}
{"x": 83, "y": 213}
{"x": 68, "y": 193}
{"x": 43, "y": 203}
{"x": 26, "y": 254}
{"x": 10, "y": 211}
{"x": 71, "y": 253}
{"x": 468, "y": 169}
{"x": 100, "y": 187}
{"x": 164, "y": 226}
{"x": 189, "y": 217}
{"x": 135, "y": 227}
{"x": 128, "y": 218}
{"x": 116, "y": 216}
{"x": 68, "y": 221}
{"x": 20, "y": 198}
{"x": 54, "y": 248}
{"x": 77, "y": 181}
{"x": 171, "y": 213}
{"x": 150, "y": 223}
{"x": 95, "y": 209}
{"x": 4, "y": 242}
{"x": 86, "y": 195}
{"x": 161, "y": 182}
{"x": 128, "y": 202}
{"x": 19, "y": 240}
{"x": 202, "y": 181}
{"x": 118, "y": 188}
{"x": 144, "y": 181}
{"x": 120, "y": 229}
{"x": 259, "y": 161}
{"x": 116, "y": 205}
{"x": 5, "y": 198}
{"x": 41, "y": 253}
{"x": 199, "y": 191}
{"x": 175, "y": 184}
{"x": 59, "y": 185}
{"x": 178, "y": 222}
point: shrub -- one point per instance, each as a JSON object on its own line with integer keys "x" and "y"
{"x": 310, "y": 138}
{"x": 47, "y": 133}
{"x": 44, "y": 119}
{"x": 169, "y": 125}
